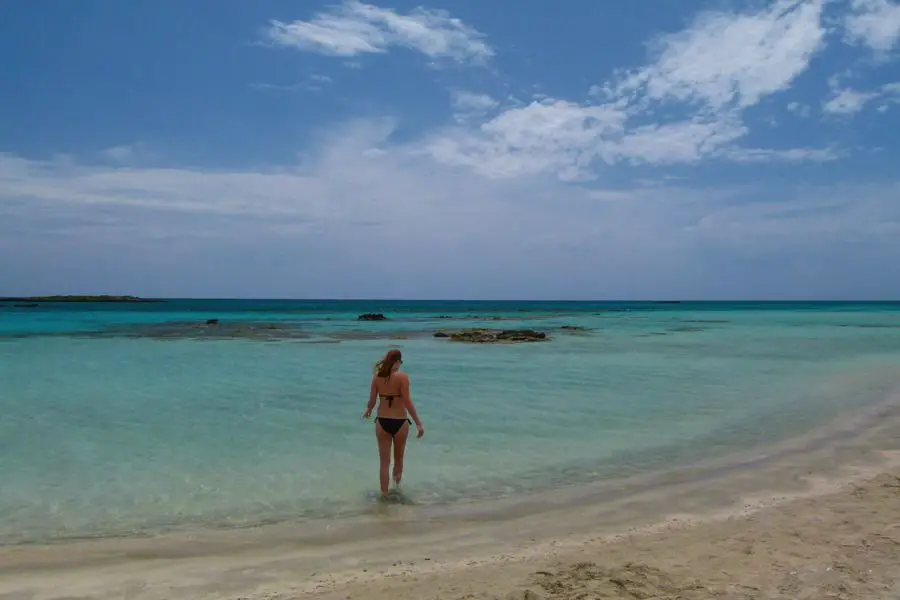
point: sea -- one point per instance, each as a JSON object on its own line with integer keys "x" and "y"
{"x": 134, "y": 419}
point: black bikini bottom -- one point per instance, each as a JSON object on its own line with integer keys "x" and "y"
{"x": 392, "y": 426}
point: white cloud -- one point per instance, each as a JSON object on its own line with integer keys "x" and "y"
{"x": 471, "y": 106}
{"x": 680, "y": 142}
{"x": 313, "y": 83}
{"x": 796, "y": 155}
{"x": 363, "y": 217}
{"x": 127, "y": 154}
{"x": 875, "y": 23}
{"x": 472, "y": 102}
{"x": 802, "y": 110}
{"x": 477, "y": 191}
{"x": 891, "y": 93}
{"x": 356, "y": 28}
{"x": 732, "y": 59}
{"x": 351, "y": 208}
{"x": 120, "y": 154}
{"x": 345, "y": 182}
{"x": 555, "y": 136}
{"x": 847, "y": 102}
{"x": 711, "y": 72}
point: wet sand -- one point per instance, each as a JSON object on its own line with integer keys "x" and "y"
{"x": 815, "y": 524}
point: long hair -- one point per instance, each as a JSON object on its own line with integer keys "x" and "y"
{"x": 386, "y": 365}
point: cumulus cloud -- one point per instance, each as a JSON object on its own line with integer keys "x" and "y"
{"x": 712, "y": 72}
{"x": 354, "y": 28}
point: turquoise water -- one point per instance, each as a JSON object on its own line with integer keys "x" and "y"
{"x": 126, "y": 419}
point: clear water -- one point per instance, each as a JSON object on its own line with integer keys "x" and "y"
{"x": 110, "y": 428}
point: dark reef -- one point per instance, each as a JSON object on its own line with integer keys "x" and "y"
{"x": 276, "y": 331}
{"x": 493, "y": 336}
{"x": 371, "y": 317}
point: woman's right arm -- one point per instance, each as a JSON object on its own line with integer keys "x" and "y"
{"x": 404, "y": 387}
{"x": 373, "y": 395}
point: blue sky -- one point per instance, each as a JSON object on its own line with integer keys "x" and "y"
{"x": 469, "y": 149}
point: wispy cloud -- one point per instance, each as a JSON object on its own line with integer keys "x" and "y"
{"x": 848, "y": 102}
{"x": 792, "y": 155}
{"x": 355, "y": 28}
{"x": 797, "y": 108}
{"x": 731, "y": 59}
{"x": 711, "y": 72}
{"x": 468, "y": 104}
{"x": 127, "y": 154}
{"x": 313, "y": 83}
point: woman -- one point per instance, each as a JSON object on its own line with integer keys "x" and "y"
{"x": 392, "y": 423}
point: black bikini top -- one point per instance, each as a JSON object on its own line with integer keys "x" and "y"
{"x": 389, "y": 398}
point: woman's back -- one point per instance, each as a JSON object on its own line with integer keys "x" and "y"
{"x": 392, "y": 395}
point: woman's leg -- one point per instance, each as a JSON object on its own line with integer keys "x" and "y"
{"x": 384, "y": 457}
{"x": 399, "y": 451}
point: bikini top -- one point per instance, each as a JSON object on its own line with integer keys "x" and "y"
{"x": 389, "y": 398}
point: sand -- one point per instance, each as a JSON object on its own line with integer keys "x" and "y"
{"x": 816, "y": 525}
{"x": 837, "y": 545}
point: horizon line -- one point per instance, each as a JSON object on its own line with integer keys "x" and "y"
{"x": 17, "y": 297}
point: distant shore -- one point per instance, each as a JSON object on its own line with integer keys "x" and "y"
{"x": 77, "y": 298}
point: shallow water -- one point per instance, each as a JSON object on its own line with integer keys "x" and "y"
{"x": 110, "y": 429}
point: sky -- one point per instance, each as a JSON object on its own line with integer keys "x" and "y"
{"x": 587, "y": 149}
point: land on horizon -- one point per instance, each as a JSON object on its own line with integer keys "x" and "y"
{"x": 77, "y": 298}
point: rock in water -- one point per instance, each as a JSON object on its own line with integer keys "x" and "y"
{"x": 521, "y": 335}
{"x": 493, "y": 336}
{"x": 371, "y": 317}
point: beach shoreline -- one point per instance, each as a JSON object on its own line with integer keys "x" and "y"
{"x": 808, "y": 488}
{"x": 835, "y": 540}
